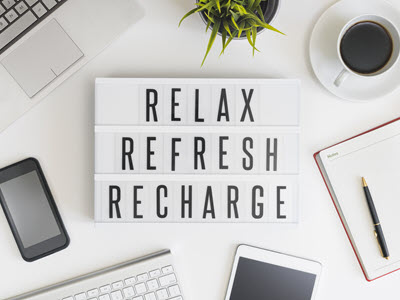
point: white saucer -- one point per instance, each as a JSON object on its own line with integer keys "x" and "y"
{"x": 325, "y": 60}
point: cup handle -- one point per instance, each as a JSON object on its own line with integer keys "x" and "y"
{"x": 341, "y": 77}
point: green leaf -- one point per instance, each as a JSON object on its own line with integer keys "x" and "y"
{"x": 251, "y": 16}
{"x": 212, "y": 39}
{"x": 223, "y": 40}
{"x": 227, "y": 43}
{"x": 218, "y": 5}
{"x": 241, "y": 10}
{"x": 208, "y": 24}
{"x": 226, "y": 26}
{"x": 255, "y": 5}
{"x": 216, "y": 14}
{"x": 187, "y": 15}
{"x": 254, "y": 36}
{"x": 252, "y": 44}
{"x": 226, "y": 4}
{"x": 252, "y": 23}
{"x": 205, "y": 6}
{"x": 209, "y": 17}
{"x": 260, "y": 13}
{"x": 266, "y": 25}
{"x": 249, "y": 38}
{"x": 234, "y": 15}
{"x": 234, "y": 22}
{"x": 241, "y": 27}
{"x": 250, "y": 4}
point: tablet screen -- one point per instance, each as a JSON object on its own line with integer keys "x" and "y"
{"x": 258, "y": 280}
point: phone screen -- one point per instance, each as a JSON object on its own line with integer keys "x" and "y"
{"x": 29, "y": 209}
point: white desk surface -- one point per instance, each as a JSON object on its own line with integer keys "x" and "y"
{"x": 59, "y": 132}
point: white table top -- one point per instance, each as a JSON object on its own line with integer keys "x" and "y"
{"x": 59, "y": 132}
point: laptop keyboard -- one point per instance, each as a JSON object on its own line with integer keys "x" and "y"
{"x": 17, "y": 17}
{"x": 158, "y": 284}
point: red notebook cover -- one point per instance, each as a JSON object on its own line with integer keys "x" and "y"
{"x": 344, "y": 227}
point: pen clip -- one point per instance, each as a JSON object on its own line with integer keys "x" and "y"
{"x": 377, "y": 240}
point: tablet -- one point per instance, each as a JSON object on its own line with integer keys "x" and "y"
{"x": 259, "y": 274}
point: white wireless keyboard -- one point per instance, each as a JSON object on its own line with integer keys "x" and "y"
{"x": 148, "y": 278}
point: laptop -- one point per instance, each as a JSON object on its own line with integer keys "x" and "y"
{"x": 152, "y": 277}
{"x": 43, "y": 42}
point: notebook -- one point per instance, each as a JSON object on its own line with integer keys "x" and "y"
{"x": 374, "y": 155}
{"x": 196, "y": 150}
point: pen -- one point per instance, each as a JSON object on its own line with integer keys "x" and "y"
{"x": 378, "y": 228}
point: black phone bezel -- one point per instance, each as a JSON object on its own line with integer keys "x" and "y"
{"x": 48, "y": 246}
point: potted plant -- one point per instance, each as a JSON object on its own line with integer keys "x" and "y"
{"x": 235, "y": 19}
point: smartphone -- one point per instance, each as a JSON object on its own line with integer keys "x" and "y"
{"x": 31, "y": 210}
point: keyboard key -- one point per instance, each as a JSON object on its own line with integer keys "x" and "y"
{"x": 155, "y": 273}
{"x": 128, "y": 292}
{"x": 2, "y": 10}
{"x": 150, "y": 296}
{"x": 162, "y": 294}
{"x": 3, "y": 24}
{"x": 11, "y": 16}
{"x": 13, "y": 30}
{"x": 174, "y": 290}
{"x": 105, "y": 289}
{"x": 8, "y": 3}
{"x": 21, "y": 8}
{"x": 152, "y": 284}
{"x": 130, "y": 281}
{"x": 138, "y": 298}
{"x": 39, "y": 9}
{"x": 143, "y": 277}
{"x": 167, "y": 279}
{"x": 105, "y": 297}
{"x": 31, "y": 2}
{"x": 68, "y": 298}
{"x": 177, "y": 298}
{"x": 167, "y": 270}
{"x": 93, "y": 293}
{"x": 140, "y": 288}
{"x": 116, "y": 295}
{"x": 81, "y": 296}
{"x": 117, "y": 285}
{"x": 49, "y": 3}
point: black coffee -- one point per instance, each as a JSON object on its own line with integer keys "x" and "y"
{"x": 366, "y": 47}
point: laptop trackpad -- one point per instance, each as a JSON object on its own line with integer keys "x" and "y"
{"x": 43, "y": 57}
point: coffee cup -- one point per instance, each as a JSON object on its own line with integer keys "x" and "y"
{"x": 368, "y": 45}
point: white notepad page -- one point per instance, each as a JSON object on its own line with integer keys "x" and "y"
{"x": 375, "y": 156}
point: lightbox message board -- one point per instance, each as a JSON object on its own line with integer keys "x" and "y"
{"x": 196, "y": 150}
